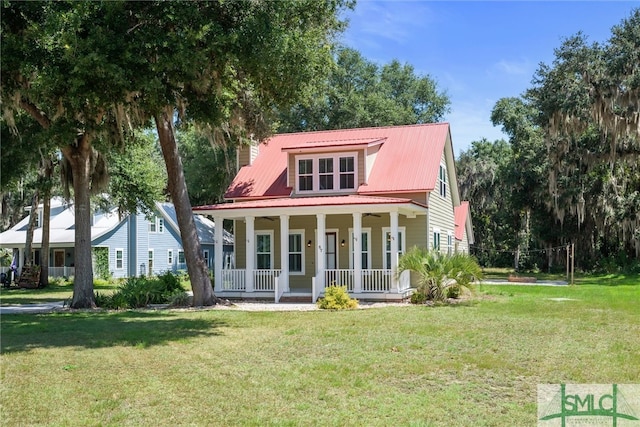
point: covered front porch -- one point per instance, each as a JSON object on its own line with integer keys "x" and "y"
{"x": 292, "y": 249}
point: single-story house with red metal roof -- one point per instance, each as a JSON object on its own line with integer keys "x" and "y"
{"x": 315, "y": 209}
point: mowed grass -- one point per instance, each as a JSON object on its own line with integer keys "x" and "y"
{"x": 472, "y": 364}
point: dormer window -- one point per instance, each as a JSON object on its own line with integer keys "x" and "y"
{"x": 305, "y": 175}
{"x": 347, "y": 173}
{"x": 326, "y": 172}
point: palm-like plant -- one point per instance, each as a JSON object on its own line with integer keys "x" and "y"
{"x": 438, "y": 271}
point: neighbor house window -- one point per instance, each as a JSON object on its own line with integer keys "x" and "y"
{"x": 119, "y": 259}
{"x": 156, "y": 225}
{"x": 170, "y": 257}
{"x": 296, "y": 252}
{"x": 365, "y": 248}
{"x": 305, "y": 175}
{"x": 181, "y": 259}
{"x": 39, "y": 219}
{"x": 150, "y": 269}
{"x": 327, "y": 172}
{"x": 449, "y": 243}
{"x": 205, "y": 255}
{"x": 264, "y": 251}
{"x": 442, "y": 179}
{"x": 436, "y": 239}
{"x": 386, "y": 235}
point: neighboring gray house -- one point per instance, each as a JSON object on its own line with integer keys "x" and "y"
{"x": 135, "y": 245}
{"x": 313, "y": 209}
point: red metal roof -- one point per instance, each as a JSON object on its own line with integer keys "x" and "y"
{"x": 314, "y": 145}
{"x": 407, "y": 161}
{"x": 307, "y": 201}
{"x": 460, "y": 219}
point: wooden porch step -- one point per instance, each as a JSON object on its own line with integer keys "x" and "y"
{"x": 298, "y": 299}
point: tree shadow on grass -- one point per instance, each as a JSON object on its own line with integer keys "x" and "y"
{"x": 97, "y": 330}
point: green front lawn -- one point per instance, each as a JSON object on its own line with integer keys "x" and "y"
{"x": 476, "y": 364}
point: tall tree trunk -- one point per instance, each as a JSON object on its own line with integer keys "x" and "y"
{"x": 196, "y": 266}
{"x": 79, "y": 156}
{"x": 44, "y": 251}
{"x": 33, "y": 217}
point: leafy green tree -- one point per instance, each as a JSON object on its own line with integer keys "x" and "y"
{"x": 482, "y": 176}
{"x": 137, "y": 177}
{"x": 209, "y": 167}
{"x": 589, "y": 110}
{"x": 359, "y": 93}
{"x": 92, "y": 72}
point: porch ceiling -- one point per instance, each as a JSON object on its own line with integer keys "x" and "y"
{"x": 313, "y": 205}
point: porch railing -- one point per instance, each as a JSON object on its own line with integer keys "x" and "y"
{"x": 233, "y": 280}
{"x": 376, "y": 280}
{"x": 264, "y": 280}
{"x": 340, "y": 277}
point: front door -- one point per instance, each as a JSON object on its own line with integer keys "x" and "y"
{"x": 331, "y": 251}
{"x": 58, "y": 258}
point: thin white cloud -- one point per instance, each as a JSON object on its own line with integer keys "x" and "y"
{"x": 514, "y": 67}
{"x": 394, "y": 21}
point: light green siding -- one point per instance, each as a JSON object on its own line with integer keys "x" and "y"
{"x": 441, "y": 211}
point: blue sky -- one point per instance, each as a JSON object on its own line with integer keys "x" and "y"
{"x": 477, "y": 51}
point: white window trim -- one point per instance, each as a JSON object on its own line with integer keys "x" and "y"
{"x": 336, "y": 172}
{"x": 303, "y": 247}
{"x": 181, "y": 251}
{"x": 205, "y": 255}
{"x": 450, "y": 243}
{"x": 402, "y": 249}
{"x": 255, "y": 248}
{"x": 116, "y": 259}
{"x": 160, "y": 225}
{"x": 151, "y": 256}
{"x": 442, "y": 182}
{"x": 433, "y": 243}
{"x": 352, "y": 247}
{"x": 170, "y": 257}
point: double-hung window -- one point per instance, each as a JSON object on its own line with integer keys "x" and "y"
{"x": 386, "y": 235}
{"x": 347, "y": 173}
{"x": 442, "y": 179}
{"x": 436, "y": 239}
{"x": 296, "y": 252}
{"x": 326, "y": 172}
{"x": 119, "y": 259}
{"x": 365, "y": 248}
{"x": 264, "y": 251}
{"x": 305, "y": 174}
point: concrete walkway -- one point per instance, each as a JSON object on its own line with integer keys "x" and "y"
{"x": 46, "y": 307}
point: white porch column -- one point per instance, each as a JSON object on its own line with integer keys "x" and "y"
{"x": 218, "y": 253}
{"x": 284, "y": 252}
{"x": 356, "y": 245}
{"x": 394, "y": 250}
{"x": 20, "y": 261}
{"x": 320, "y": 249}
{"x": 249, "y": 252}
